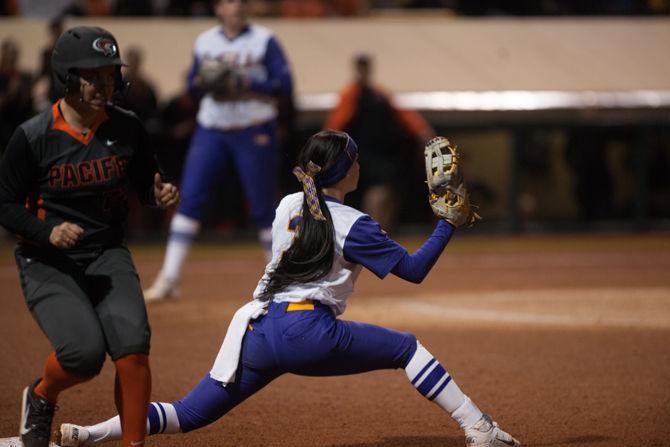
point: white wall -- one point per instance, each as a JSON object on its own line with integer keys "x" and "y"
{"x": 417, "y": 54}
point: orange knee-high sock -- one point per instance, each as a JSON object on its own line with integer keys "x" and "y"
{"x": 55, "y": 379}
{"x": 118, "y": 397}
{"x": 132, "y": 392}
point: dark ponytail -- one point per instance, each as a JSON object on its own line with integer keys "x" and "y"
{"x": 310, "y": 256}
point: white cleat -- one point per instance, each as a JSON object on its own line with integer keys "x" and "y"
{"x": 71, "y": 435}
{"x": 486, "y": 433}
{"x": 162, "y": 289}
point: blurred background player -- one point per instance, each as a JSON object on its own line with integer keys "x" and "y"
{"x": 237, "y": 127}
{"x": 65, "y": 180}
{"x": 391, "y": 138}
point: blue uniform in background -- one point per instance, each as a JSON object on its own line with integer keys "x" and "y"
{"x": 233, "y": 132}
{"x": 240, "y": 132}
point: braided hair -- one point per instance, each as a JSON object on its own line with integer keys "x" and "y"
{"x": 310, "y": 256}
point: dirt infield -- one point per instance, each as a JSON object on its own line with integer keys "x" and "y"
{"x": 565, "y": 341}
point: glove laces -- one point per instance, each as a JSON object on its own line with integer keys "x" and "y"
{"x": 309, "y": 188}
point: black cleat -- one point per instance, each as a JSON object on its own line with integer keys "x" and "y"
{"x": 36, "y": 416}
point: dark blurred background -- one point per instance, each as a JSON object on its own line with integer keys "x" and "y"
{"x": 541, "y": 154}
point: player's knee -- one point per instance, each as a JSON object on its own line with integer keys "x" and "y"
{"x": 84, "y": 359}
{"x": 408, "y": 348}
{"x": 206, "y": 403}
{"x": 190, "y": 418}
{"x": 192, "y": 208}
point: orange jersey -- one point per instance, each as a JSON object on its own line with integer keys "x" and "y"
{"x": 340, "y": 116}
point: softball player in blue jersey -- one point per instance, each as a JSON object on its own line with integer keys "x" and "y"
{"x": 236, "y": 126}
{"x": 319, "y": 246}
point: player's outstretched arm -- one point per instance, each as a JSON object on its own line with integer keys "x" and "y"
{"x": 369, "y": 246}
{"x": 415, "y": 267}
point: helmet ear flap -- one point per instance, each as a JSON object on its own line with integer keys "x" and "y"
{"x": 65, "y": 82}
{"x": 71, "y": 83}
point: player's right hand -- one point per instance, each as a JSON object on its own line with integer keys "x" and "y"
{"x": 65, "y": 235}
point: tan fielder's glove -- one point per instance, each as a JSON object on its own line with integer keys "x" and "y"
{"x": 446, "y": 190}
{"x": 222, "y": 79}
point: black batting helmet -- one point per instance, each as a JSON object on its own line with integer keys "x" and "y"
{"x": 84, "y": 47}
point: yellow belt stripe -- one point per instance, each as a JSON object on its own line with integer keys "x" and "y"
{"x": 302, "y": 305}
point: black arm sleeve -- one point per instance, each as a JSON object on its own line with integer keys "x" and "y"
{"x": 143, "y": 167}
{"x": 16, "y": 175}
